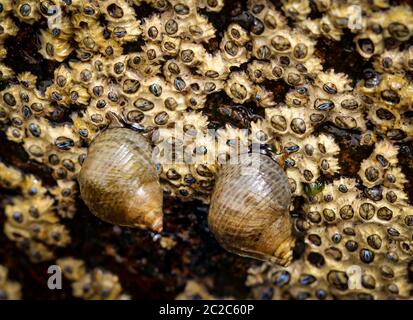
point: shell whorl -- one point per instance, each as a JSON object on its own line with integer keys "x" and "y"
{"x": 118, "y": 180}
{"x": 249, "y": 212}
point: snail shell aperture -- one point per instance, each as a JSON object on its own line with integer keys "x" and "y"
{"x": 249, "y": 212}
{"x": 118, "y": 180}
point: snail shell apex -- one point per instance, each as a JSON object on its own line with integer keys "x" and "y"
{"x": 118, "y": 181}
{"x": 249, "y": 212}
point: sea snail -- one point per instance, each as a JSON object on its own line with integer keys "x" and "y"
{"x": 249, "y": 212}
{"x": 118, "y": 180}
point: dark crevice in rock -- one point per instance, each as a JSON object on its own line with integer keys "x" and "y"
{"x": 351, "y": 152}
{"x": 405, "y": 158}
{"x": 144, "y": 11}
{"x": 342, "y": 56}
{"x": 23, "y": 55}
{"x": 221, "y": 110}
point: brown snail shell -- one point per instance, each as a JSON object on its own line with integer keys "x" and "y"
{"x": 118, "y": 180}
{"x": 249, "y": 211}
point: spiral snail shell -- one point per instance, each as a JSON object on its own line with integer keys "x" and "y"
{"x": 119, "y": 182}
{"x": 249, "y": 212}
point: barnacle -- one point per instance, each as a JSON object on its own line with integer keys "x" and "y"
{"x": 383, "y": 159}
{"x": 194, "y": 291}
{"x": 298, "y": 10}
{"x": 9, "y": 177}
{"x": 8, "y": 29}
{"x": 5, "y": 72}
{"x": 27, "y": 11}
{"x": 391, "y": 61}
{"x": 387, "y": 28}
{"x": 9, "y": 290}
{"x": 239, "y": 88}
{"x": 55, "y": 44}
{"x": 211, "y": 5}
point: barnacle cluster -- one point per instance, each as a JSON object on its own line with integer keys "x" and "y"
{"x": 358, "y": 238}
{"x": 96, "y": 284}
{"x": 341, "y": 261}
{"x": 377, "y": 25}
{"x": 33, "y": 218}
{"x": 158, "y": 74}
{"x": 387, "y": 95}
